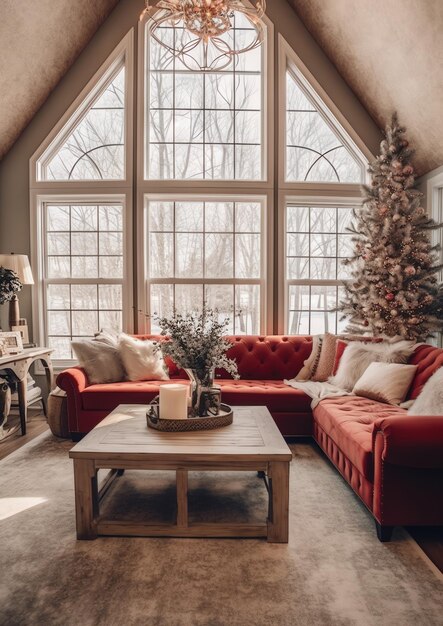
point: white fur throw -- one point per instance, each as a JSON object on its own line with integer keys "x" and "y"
{"x": 141, "y": 360}
{"x": 430, "y": 401}
{"x": 358, "y": 356}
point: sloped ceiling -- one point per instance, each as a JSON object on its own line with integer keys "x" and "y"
{"x": 391, "y": 54}
{"x": 39, "y": 41}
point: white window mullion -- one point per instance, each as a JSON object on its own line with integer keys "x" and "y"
{"x": 86, "y": 235}
{"x": 315, "y": 231}
{"x": 211, "y": 231}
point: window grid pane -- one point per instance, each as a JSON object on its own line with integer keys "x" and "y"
{"x": 314, "y": 151}
{"x": 315, "y": 248}
{"x": 94, "y": 149}
{"x": 84, "y": 242}
{"x": 214, "y": 241}
{"x": 204, "y": 126}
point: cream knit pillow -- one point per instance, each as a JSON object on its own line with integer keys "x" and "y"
{"x": 385, "y": 382}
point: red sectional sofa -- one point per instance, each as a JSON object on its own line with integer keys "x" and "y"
{"x": 393, "y": 462}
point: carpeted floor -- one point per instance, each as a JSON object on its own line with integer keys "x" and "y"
{"x": 333, "y": 572}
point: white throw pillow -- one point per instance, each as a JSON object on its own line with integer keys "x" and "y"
{"x": 430, "y": 400}
{"x": 108, "y": 337}
{"x": 358, "y": 356}
{"x": 100, "y": 361}
{"x": 385, "y": 382}
{"x": 141, "y": 359}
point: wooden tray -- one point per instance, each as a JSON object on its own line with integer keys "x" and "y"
{"x": 224, "y": 418}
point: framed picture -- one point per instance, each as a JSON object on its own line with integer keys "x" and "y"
{"x": 11, "y": 342}
{"x": 24, "y": 333}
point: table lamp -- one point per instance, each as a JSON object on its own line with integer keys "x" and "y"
{"x": 18, "y": 263}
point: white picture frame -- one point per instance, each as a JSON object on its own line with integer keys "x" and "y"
{"x": 24, "y": 332}
{"x": 12, "y": 342}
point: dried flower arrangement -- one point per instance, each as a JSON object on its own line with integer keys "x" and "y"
{"x": 196, "y": 341}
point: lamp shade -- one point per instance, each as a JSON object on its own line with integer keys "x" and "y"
{"x": 18, "y": 263}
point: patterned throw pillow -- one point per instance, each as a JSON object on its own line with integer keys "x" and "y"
{"x": 326, "y": 358}
{"x": 310, "y": 365}
{"x": 333, "y": 346}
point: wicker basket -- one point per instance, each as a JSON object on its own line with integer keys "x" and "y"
{"x": 224, "y": 418}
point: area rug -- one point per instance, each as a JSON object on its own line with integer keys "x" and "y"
{"x": 333, "y": 572}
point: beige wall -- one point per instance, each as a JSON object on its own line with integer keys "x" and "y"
{"x": 14, "y": 169}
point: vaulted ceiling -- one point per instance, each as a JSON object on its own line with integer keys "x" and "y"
{"x": 390, "y": 54}
{"x": 39, "y": 41}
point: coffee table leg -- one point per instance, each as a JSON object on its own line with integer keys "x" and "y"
{"x": 86, "y": 498}
{"x": 278, "y": 524}
{"x": 182, "y": 497}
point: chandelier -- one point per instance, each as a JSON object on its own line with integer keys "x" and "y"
{"x": 200, "y": 41}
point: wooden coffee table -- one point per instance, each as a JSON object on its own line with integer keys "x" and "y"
{"x": 123, "y": 441}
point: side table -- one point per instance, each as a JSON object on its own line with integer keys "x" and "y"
{"x": 19, "y": 365}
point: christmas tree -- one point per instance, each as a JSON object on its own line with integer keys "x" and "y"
{"x": 393, "y": 288}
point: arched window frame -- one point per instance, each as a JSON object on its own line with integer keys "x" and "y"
{"x": 273, "y": 191}
{"x": 327, "y": 194}
{"x": 43, "y": 192}
{"x": 121, "y": 55}
{"x": 239, "y": 189}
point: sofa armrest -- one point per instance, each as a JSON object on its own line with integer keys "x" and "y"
{"x": 411, "y": 441}
{"x": 73, "y": 379}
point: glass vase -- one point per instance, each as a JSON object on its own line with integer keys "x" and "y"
{"x": 201, "y": 383}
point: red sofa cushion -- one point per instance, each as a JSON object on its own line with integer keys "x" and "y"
{"x": 348, "y": 421}
{"x": 428, "y": 360}
{"x": 274, "y": 394}
{"x": 108, "y": 396}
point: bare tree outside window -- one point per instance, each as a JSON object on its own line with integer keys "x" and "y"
{"x": 204, "y": 125}
{"x": 314, "y": 152}
{"x": 94, "y": 149}
{"x": 206, "y": 251}
{"x": 316, "y": 243}
{"x": 200, "y": 244}
{"x": 84, "y": 272}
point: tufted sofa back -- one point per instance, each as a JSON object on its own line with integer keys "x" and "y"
{"x": 428, "y": 360}
{"x": 270, "y": 357}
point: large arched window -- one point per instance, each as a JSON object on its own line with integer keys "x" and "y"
{"x": 212, "y": 184}
{"x": 204, "y": 125}
{"x": 323, "y": 169}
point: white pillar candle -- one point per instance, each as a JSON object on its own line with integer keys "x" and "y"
{"x": 173, "y": 402}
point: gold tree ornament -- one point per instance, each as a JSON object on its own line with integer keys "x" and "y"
{"x": 202, "y": 44}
